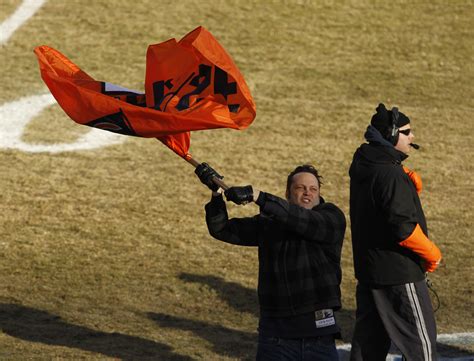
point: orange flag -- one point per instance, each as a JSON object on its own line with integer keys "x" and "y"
{"x": 190, "y": 85}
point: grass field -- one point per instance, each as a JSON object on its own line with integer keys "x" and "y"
{"x": 104, "y": 254}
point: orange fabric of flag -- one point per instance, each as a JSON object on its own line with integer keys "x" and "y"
{"x": 190, "y": 85}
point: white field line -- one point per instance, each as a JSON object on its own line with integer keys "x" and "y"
{"x": 453, "y": 339}
{"x": 22, "y": 13}
{"x": 456, "y": 338}
{"x": 15, "y": 116}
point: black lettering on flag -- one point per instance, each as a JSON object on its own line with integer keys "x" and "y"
{"x": 138, "y": 100}
{"x": 233, "y": 108}
{"x": 222, "y": 86}
{"x": 200, "y": 81}
{"x": 116, "y": 122}
{"x": 159, "y": 92}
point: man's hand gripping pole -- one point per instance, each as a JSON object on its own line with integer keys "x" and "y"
{"x": 216, "y": 180}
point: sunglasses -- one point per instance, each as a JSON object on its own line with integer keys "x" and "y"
{"x": 405, "y": 131}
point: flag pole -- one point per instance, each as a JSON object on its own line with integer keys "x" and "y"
{"x": 216, "y": 180}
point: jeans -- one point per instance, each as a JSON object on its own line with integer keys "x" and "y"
{"x": 321, "y": 348}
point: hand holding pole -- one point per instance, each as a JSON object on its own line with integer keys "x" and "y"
{"x": 216, "y": 180}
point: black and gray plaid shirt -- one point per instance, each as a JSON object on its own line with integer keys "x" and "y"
{"x": 299, "y": 252}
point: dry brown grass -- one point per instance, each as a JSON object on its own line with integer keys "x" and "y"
{"x": 105, "y": 253}
{"x": 7, "y": 7}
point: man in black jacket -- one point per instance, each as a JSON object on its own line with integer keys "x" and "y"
{"x": 299, "y": 244}
{"x": 390, "y": 245}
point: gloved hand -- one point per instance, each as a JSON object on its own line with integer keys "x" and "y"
{"x": 430, "y": 266}
{"x": 239, "y": 195}
{"x": 205, "y": 173}
{"x": 415, "y": 178}
{"x": 428, "y": 251}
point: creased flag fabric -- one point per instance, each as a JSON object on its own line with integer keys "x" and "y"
{"x": 190, "y": 85}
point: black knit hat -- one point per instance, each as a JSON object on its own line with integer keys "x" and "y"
{"x": 382, "y": 121}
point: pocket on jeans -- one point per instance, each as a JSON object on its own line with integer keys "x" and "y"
{"x": 326, "y": 340}
{"x": 265, "y": 340}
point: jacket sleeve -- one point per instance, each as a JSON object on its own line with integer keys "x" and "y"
{"x": 324, "y": 224}
{"x": 415, "y": 178}
{"x": 239, "y": 231}
{"x": 394, "y": 199}
{"x": 422, "y": 246}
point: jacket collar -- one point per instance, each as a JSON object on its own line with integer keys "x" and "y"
{"x": 380, "y": 150}
{"x": 373, "y": 136}
{"x": 380, "y": 154}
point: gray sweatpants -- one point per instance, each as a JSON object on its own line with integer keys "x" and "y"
{"x": 402, "y": 314}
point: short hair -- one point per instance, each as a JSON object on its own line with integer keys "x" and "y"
{"x": 305, "y": 168}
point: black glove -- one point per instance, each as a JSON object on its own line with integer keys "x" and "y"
{"x": 239, "y": 195}
{"x": 205, "y": 173}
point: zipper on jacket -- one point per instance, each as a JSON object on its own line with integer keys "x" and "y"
{"x": 286, "y": 279}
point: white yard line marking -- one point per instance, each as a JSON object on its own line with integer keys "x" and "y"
{"x": 22, "y": 13}
{"x": 16, "y": 115}
{"x": 456, "y": 338}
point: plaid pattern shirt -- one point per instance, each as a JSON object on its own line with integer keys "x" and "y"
{"x": 299, "y": 252}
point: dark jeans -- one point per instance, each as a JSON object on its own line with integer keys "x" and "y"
{"x": 321, "y": 348}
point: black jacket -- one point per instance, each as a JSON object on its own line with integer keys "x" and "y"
{"x": 299, "y": 252}
{"x": 384, "y": 210}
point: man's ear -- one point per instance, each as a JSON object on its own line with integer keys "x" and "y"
{"x": 287, "y": 195}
